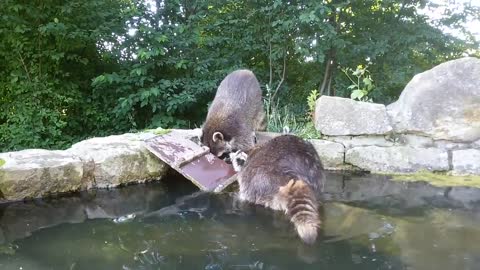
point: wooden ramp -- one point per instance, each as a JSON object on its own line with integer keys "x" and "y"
{"x": 193, "y": 161}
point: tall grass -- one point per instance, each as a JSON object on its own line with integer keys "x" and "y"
{"x": 283, "y": 120}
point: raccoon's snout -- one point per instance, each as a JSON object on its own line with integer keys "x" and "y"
{"x": 228, "y": 160}
{"x": 240, "y": 161}
{"x": 225, "y": 157}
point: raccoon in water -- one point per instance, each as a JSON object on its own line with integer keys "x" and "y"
{"x": 284, "y": 174}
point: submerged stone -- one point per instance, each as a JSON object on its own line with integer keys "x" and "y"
{"x": 443, "y": 180}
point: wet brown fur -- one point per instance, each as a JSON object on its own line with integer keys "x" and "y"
{"x": 236, "y": 112}
{"x": 285, "y": 174}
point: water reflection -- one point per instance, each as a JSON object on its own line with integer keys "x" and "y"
{"x": 369, "y": 223}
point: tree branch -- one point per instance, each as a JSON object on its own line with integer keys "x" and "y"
{"x": 270, "y": 59}
{"x": 326, "y": 76}
{"x": 25, "y": 67}
{"x": 283, "y": 74}
{"x": 399, "y": 14}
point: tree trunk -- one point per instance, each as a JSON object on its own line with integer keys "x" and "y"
{"x": 329, "y": 71}
{"x": 331, "y": 59}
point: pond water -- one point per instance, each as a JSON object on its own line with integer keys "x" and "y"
{"x": 370, "y": 222}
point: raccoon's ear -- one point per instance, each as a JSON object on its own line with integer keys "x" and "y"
{"x": 217, "y": 136}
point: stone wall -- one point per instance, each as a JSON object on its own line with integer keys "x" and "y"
{"x": 434, "y": 125}
{"x": 94, "y": 163}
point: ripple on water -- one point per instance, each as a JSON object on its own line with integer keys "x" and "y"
{"x": 144, "y": 227}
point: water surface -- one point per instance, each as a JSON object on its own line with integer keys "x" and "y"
{"x": 369, "y": 223}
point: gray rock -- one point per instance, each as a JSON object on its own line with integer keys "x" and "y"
{"x": 119, "y": 159}
{"x": 336, "y": 116}
{"x": 397, "y": 159}
{"x": 466, "y": 162}
{"x": 443, "y": 102}
{"x": 191, "y": 134}
{"x": 35, "y": 173}
{"x": 413, "y": 140}
{"x": 449, "y": 145}
{"x": 354, "y": 141}
{"x": 19, "y": 220}
{"x": 468, "y": 197}
{"x": 331, "y": 154}
{"x": 476, "y": 144}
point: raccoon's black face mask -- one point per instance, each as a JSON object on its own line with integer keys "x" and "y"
{"x": 218, "y": 145}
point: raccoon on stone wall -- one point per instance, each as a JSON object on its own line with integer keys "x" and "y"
{"x": 235, "y": 113}
{"x": 284, "y": 174}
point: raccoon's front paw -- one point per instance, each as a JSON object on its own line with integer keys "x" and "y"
{"x": 238, "y": 160}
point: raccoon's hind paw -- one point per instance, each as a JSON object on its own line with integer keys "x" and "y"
{"x": 238, "y": 160}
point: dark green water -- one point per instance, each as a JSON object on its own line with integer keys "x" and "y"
{"x": 369, "y": 223}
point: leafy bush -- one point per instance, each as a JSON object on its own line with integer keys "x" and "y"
{"x": 49, "y": 53}
{"x": 362, "y": 83}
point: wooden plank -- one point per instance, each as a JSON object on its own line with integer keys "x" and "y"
{"x": 175, "y": 151}
{"x": 193, "y": 161}
{"x": 209, "y": 171}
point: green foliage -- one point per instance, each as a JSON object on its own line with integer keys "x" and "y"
{"x": 49, "y": 54}
{"x": 160, "y": 131}
{"x": 83, "y": 68}
{"x": 285, "y": 121}
{"x": 282, "y": 120}
{"x": 311, "y": 101}
{"x": 362, "y": 83}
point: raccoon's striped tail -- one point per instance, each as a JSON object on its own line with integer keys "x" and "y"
{"x": 302, "y": 209}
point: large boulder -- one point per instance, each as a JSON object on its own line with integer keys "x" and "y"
{"x": 443, "y": 102}
{"x": 397, "y": 159}
{"x": 119, "y": 159}
{"x": 35, "y": 173}
{"x": 336, "y": 116}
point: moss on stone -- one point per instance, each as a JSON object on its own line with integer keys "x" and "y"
{"x": 2, "y": 162}
{"x": 440, "y": 179}
{"x": 5, "y": 186}
{"x": 161, "y": 131}
{"x": 7, "y": 249}
{"x": 158, "y": 131}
